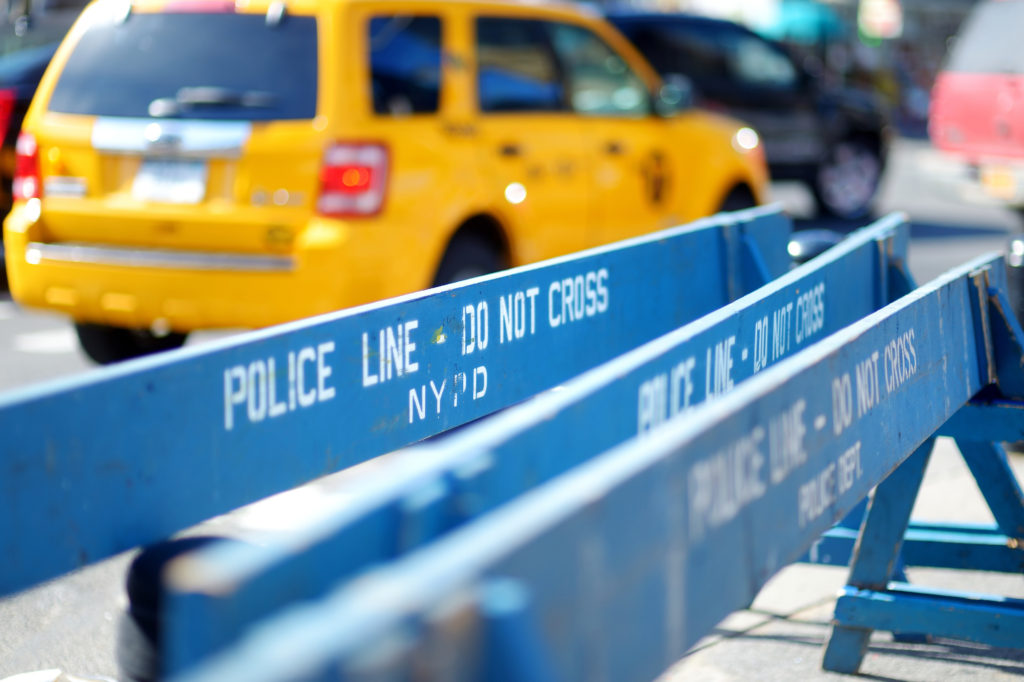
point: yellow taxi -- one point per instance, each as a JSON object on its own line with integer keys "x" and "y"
{"x": 192, "y": 164}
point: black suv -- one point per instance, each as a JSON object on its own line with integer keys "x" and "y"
{"x": 834, "y": 140}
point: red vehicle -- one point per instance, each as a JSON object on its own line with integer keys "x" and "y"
{"x": 977, "y": 108}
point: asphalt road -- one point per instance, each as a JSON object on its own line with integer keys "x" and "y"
{"x": 70, "y": 623}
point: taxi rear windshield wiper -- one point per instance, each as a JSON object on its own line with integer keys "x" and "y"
{"x": 209, "y": 96}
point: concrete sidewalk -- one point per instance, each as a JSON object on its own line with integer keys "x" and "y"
{"x": 782, "y": 636}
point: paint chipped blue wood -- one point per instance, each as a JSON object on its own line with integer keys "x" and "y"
{"x": 535, "y": 442}
{"x": 178, "y": 438}
{"x": 539, "y": 545}
{"x": 619, "y": 551}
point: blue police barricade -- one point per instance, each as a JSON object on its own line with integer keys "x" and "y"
{"x": 178, "y": 438}
{"x": 216, "y": 594}
{"x": 613, "y": 568}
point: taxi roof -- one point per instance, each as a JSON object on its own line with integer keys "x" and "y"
{"x": 312, "y": 6}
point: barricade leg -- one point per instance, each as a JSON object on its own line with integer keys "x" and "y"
{"x": 877, "y": 552}
{"x": 997, "y": 483}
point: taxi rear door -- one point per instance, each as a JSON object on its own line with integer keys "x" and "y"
{"x": 630, "y": 165}
{"x": 532, "y": 155}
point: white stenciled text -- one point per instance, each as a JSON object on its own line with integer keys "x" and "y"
{"x": 265, "y": 389}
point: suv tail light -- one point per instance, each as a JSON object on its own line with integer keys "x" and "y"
{"x": 7, "y": 97}
{"x": 27, "y": 183}
{"x": 353, "y": 180}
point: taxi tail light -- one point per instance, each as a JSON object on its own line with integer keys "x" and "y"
{"x": 27, "y": 181}
{"x": 353, "y": 180}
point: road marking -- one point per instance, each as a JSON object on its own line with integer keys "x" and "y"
{"x": 50, "y": 342}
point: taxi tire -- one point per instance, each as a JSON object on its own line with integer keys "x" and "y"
{"x": 106, "y": 344}
{"x": 739, "y": 198}
{"x": 469, "y": 255}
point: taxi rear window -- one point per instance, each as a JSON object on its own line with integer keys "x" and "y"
{"x": 203, "y": 65}
{"x": 405, "y": 64}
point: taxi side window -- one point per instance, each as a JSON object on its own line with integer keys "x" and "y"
{"x": 516, "y": 69}
{"x": 405, "y": 64}
{"x": 600, "y": 81}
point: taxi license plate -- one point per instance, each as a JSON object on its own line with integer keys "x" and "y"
{"x": 171, "y": 181}
{"x": 999, "y": 181}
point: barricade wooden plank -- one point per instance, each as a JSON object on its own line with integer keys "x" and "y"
{"x": 218, "y": 592}
{"x": 630, "y": 557}
{"x": 131, "y": 454}
{"x": 954, "y": 546}
{"x": 969, "y": 617}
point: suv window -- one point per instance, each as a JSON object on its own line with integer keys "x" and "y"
{"x": 987, "y": 43}
{"x": 208, "y": 65}
{"x": 516, "y": 69}
{"x": 714, "y": 54}
{"x": 600, "y": 81}
{"x": 405, "y": 64}
{"x": 761, "y": 64}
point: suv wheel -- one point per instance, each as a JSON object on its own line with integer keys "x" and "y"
{"x": 845, "y": 183}
{"x": 469, "y": 255}
{"x": 106, "y": 344}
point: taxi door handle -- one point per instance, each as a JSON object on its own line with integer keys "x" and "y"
{"x": 510, "y": 150}
{"x": 460, "y": 129}
{"x": 613, "y": 148}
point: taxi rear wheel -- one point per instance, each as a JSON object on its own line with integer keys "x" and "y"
{"x": 105, "y": 344}
{"x": 469, "y": 255}
{"x": 739, "y": 198}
